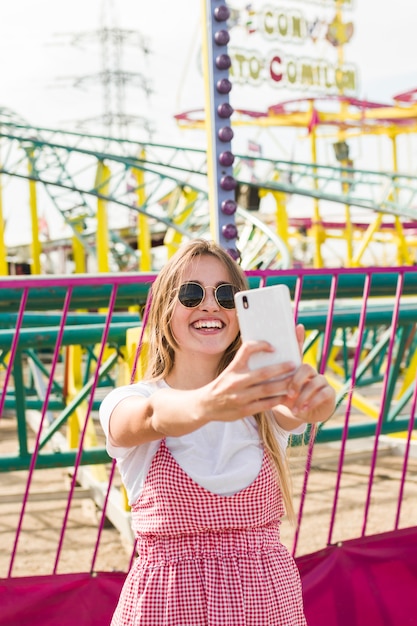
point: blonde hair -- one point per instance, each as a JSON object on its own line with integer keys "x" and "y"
{"x": 162, "y": 343}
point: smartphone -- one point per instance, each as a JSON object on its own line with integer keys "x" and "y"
{"x": 266, "y": 314}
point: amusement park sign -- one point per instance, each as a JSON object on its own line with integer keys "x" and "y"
{"x": 281, "y": 70}
{"x": 307, "y": 52}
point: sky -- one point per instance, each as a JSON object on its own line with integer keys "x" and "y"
{"x": 41, "y": 60}
{"x": 51, "y": 57}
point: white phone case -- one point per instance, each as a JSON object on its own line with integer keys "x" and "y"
{"x": 266, "y": 314}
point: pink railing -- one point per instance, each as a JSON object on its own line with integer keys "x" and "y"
{"x": 328, "y": 312}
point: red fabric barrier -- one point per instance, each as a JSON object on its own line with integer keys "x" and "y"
{"x": 60, "y": 600}
{"x": 370, "y": 581}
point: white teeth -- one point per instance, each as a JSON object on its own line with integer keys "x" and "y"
{"x": 208, "y": 324}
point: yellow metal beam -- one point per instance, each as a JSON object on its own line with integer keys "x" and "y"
{"x": 33, "y": 207}
{"x": 3, "y": 250}
{"x": 144, "y": 234}
{"x": 78, "y": 253}
{"x": 102, "y": 185}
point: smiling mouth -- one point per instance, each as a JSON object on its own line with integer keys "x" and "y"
{"x": 208, "y": 324}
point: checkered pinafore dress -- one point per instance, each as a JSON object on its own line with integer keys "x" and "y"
{"x": 206, "y": 559}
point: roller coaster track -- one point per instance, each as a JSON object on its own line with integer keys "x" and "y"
{"x": 168, "y": 184}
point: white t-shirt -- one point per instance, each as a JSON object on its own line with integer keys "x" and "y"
{"x": 222, "y": 457}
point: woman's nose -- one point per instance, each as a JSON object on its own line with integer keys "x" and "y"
{"x": 209, "y": 300}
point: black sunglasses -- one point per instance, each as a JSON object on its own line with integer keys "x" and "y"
{"x": 193, "y": 294}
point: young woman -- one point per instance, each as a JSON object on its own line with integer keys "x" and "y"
{"x": 200, "y": 445}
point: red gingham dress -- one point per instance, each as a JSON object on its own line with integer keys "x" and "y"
{"x": 206, "y": 559}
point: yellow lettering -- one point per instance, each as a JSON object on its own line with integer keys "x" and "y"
{"x": 282, "y": 24}
{"x": 268, "y": 19}
{"x": 296, "y": 27}
{"x": 307, "y": 75}
{"x": 350, "y": 80}
{"x": 328, "y": 83}
{"x": 285, "y": 25}
{"x": 254, "y": 68}
{"x": 239, "y": 60}
{"x": 294, "y": 72}
{"x": 339, "y": 78}
{"x": 291, "y": 72}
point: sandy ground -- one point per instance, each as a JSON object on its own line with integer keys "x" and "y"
{"x": 38, "y": 544}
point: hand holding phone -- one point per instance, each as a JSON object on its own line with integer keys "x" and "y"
{"x": 265, "y": 314}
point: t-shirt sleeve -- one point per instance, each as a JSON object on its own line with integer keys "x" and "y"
{"x": 107, "y": 407}
{"x": 282, "y": 436}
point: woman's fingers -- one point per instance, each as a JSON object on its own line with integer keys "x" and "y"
{"x": 308, "y": 391}
{"x": 300, "y": 333}
{"x": 250, "y": 391}
{"x": 261, "y": 374}
{"x": 241, "y": 391}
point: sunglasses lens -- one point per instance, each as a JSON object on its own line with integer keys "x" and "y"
{"x": 190, "y": 295}
{"x": 225, "y": 296}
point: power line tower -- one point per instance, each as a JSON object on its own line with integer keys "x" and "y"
{"x": 117, "y": 77}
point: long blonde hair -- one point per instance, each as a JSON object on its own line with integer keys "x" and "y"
{"x": 162, "y": 343}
